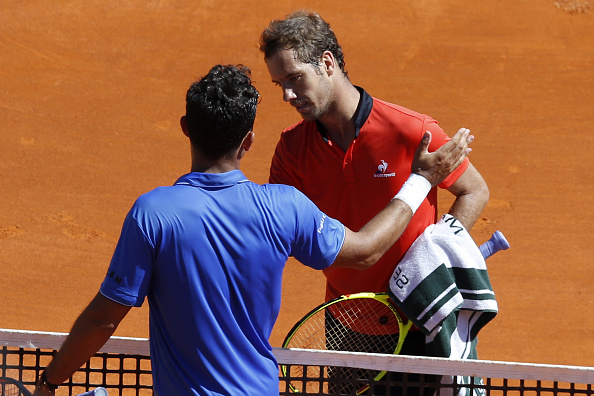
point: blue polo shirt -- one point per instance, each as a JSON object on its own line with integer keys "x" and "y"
{"x": 208, "y": 253}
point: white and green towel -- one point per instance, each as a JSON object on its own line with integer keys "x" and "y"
{"x": 442, "y": 285}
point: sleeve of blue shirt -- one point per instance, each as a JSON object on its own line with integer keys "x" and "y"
{"x": 129, "y": 274}
{"x": 319, "y": 237}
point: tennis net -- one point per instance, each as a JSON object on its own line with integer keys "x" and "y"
{"x": 123, "y": 367}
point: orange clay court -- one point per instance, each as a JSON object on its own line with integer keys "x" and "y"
{"x": 91, "y": 95}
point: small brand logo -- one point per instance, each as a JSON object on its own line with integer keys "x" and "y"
{"x": 114, "y": 276}
{"x": 399, "y": 278}
{"x": 321, "y": 227}
{"x": 383, "y": 171}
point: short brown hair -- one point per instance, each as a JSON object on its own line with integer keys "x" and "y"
{"x": 306, "y": 33}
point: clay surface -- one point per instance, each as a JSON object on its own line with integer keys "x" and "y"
{"x": 91, "y": 94}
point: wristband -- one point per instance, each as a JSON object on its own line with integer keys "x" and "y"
{"x": 414, "y": 191}
{"x": 46, "y": 383}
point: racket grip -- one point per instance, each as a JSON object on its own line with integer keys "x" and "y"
{"x": 496, "y": 243}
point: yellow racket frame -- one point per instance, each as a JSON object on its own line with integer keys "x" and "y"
{"x": 383, "y": 298}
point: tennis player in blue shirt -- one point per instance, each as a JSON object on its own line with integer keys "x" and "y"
{"x": 208, "y": 253}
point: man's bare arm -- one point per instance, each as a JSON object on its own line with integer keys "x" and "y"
{"x": 91, "y": 330}
{"x": 472, "y": 195}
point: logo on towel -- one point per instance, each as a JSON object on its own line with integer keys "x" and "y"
{"x": 383, "y": 171}
{"x": 400, "y": 279}
{"x": 453, "y": 222}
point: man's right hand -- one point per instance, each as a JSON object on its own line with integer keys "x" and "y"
{"x": 436, "y": 166}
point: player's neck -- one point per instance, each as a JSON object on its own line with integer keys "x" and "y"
{"x": 339, "y": 120}
{"x": 221, "y": 165}
{"x": 227, "y": 163}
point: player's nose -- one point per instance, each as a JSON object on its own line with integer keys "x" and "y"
{"x": 288, "y": 95}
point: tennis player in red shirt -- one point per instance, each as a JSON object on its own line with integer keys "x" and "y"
{"x": 352, "y": 152}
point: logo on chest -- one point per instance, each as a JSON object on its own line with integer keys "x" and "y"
{"x": 383, "y": 171}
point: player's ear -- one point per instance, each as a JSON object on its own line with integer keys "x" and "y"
{"x": 328, "y": 62}
{"x": 248, "y": 140}
{"x": 184, "y": 125}
{"x": 246, "y": 144}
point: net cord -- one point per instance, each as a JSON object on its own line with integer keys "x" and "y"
{"x": 401, "y": 363}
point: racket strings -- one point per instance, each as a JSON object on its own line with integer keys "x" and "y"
{"x": 9, "y": 389}
{"x": 358, "y": 325}
{"x": 361, "y": 325}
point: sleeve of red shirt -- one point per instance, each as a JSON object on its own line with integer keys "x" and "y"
{"x": 438, "y": 139}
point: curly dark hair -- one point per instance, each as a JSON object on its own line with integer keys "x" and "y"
{"x": 220, "y": 110}
{"x": 306, "y": 33}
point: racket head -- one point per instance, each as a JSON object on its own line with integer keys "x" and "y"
{"x": 360, "y": 322}
{"x": 11, "y": 387}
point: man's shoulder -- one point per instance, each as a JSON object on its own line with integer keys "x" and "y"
{"x": 283, "y": 194}
{"x": 155, "y": 198}
{"x": 281, "y": 190}
{"x": 157, "y": 193}
{"x": 395, "y": 110}
{"x": 298, "y": 129}
{"x": 297, "y": 139}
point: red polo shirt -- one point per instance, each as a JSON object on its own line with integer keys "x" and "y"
{"x": 354, "y": 186}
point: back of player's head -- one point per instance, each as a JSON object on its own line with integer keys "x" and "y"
{"x": 220, "y": 110}
{"x": 304, "y": 32}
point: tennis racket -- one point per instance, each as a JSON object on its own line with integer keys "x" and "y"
{"x": 12, "y": 387}
{"x": 360, "y": 322}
